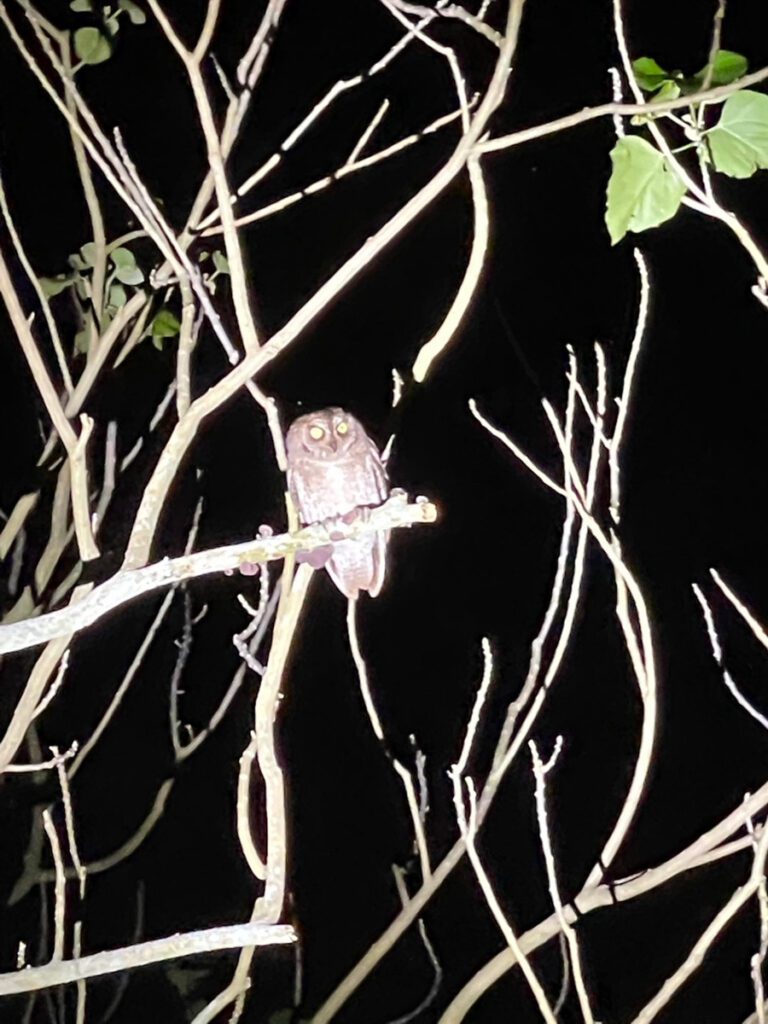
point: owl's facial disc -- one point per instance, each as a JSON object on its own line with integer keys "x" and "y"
{"x": 330, "y": 436}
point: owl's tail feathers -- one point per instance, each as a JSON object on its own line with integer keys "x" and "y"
{"x": 359, "y": 564}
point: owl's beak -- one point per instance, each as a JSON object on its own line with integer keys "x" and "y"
{"x": 332, "y": 444}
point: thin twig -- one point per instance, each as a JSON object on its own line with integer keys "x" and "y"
{"x": 75, "y": 446}
{"x": 59, "y": 906}
{"x": 540, "y": 771}
{"x": 579, "y": 117}
{"x": 468, "y": 829}
{"x": 758, "y": 631}
{"x": 717, "y": 653}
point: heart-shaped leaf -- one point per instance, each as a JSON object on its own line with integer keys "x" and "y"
{"x": 92, "y": 46}
{"x": 642, "y": 191}
{"x": 134, "y": 12}
{"x": 727, "y": 67}
{"x": 117, "y": 296}
{"x": 739, "y": 141}
{"x": 88, "y": 253}
{"x": 164, "y": 325}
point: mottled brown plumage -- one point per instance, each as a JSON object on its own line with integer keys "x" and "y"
{"x": 334, "y": 468}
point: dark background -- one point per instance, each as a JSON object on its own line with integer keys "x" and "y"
{"x": 694, "y": 494}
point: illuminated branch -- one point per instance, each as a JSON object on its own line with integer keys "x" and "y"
{"x": 129, "y": 584}
{"x": 64, "y": 972}
{"x": 721, "y": 92}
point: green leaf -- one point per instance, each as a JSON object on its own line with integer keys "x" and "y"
{"x": 669, "y": 91}
{"x": 82, "y": 340}
{"x": 727, "y": 67}
{"x": 122, "y": 257}
{"x": 220, "y": 262}
{"x": 642, "y": 191}
{"x": 739, "y": 141}
{"x": 55, "y": 285}
{"x": 648, "y": 74}
{"x": 125, "y": 266}
{"x": 117, "y": 296}
{"x": 129, "y": 275}
{"x": 89, "y": 252}
{"x": 135, "y": 13}
{"x": 164, "y": 325}
{"x": 81, "y": 6}
{"x": 92, "y": 46}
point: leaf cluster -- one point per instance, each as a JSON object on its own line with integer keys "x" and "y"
{"x": 95, "y": 43}
{"x": 124, "y": 276}
{"x": 645, "y": 188}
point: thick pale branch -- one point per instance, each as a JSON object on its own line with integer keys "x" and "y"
{"x": 129, "y": 584}
{"x": 63, "y": 972}
{"x": 447, "y": 329}
{"x": 433, "y": 348}
{"x": 45, "y": 385}
{"x": 16, "y": 520}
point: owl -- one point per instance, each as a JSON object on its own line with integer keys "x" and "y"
{"x": 333, "y": 469}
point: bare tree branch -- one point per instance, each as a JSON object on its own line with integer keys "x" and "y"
{"x": 129, "y": 584}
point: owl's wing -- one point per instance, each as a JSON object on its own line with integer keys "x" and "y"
{"x": 379, "y": 560}
{"x": 305, "y": 497}
{"x": 381, "y": 539}
{"x": 360, "y": 564}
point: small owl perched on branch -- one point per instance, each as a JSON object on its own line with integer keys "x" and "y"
{"x": 334, "y": 468}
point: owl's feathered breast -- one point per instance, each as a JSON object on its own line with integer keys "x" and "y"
{"x": 322, "y": 488}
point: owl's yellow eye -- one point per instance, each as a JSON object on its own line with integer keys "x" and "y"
{"x": 317, "y": 433}
{"x": 342, "y": 428}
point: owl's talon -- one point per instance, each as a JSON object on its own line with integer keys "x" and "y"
{"x": 332, "y": 525}
{"x": 265, "y": 530}
{"x": 249, "y": 568}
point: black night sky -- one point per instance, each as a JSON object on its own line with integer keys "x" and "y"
{"x": 694, "y": 490}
